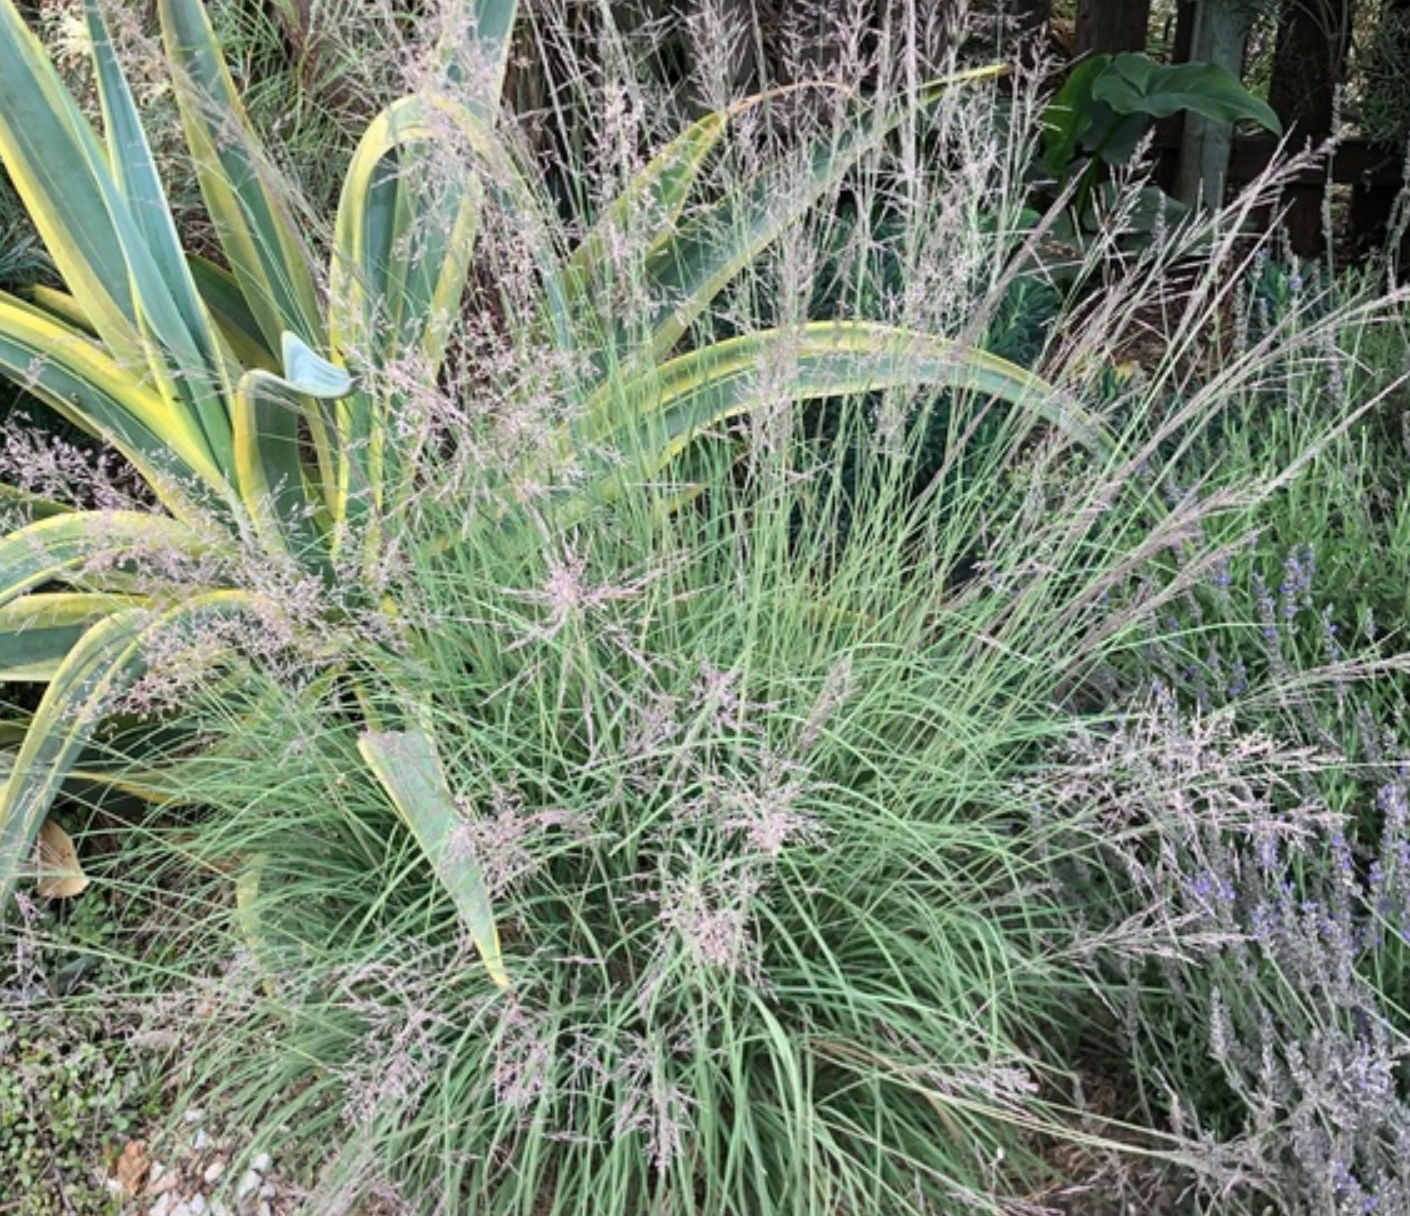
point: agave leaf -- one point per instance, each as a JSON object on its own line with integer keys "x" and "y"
{"x": 57, "y": 548}
{"x": 404, "y": 239}
{"x": 653, "y": 198}
{"x": 38, "y": 631}
{"x": 58, "y": 168}
{"x": 267, "y": 446}
{"x": 78, "y": 379}
{"x": 27, "y": 506}
{"x": 164, "y": 292}
{"x": 61, "y": 306}
{"x": 406, "y": 764}
{"x": 403, "y": 248}
{"x": 247, "y": 198}
{"x": 670, "y": 405}
{"x": 100, "y": 667}
{"x": 473, "y": 51}
{"x": 231, "y": 312}
{"x": 689, "y": 270}
{"x": 73, "y": 703}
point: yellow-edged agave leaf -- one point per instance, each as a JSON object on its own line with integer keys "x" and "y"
{"x": 231, "y": 313}
{"x": 98, "y": 670}
{"x": 78, "y": 379}
{"x": 690, "y": 269}
{"x": 22, "y": 506}
{"x": 268, "y": 459}
{"x": 60, "y": 874}
{"x": 826, "y": 359}
{"x": 404, "y": 239}
{"x": 38, "y": 631}
{"x": 473, "y": 50}
{"x": 406, "y": 764}
{"x": 58, "y": 168}
{"x": 57, "y": 548}
{"x": 73, "y": 704}
{"x": 647, "y": 210}
{"x": 61, "y": 306}
{"x": 184, "y": 350}
{"x": 244, "y": 193}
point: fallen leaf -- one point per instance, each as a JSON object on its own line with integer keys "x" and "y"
{"x": 60, "y": 875}
{"x": 131, "y": 1169}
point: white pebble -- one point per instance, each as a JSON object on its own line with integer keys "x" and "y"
{"x": 248, "y": 1184}
{"x": 163, "y": 1205}
{"x": 201, "y": 1140}
{"x": 214, "y": 1170}
{"x": 264, "y": 1208}
{"x": 261, "y": 1162}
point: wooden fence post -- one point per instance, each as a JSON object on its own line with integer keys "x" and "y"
{"x": 1309, "y": 62}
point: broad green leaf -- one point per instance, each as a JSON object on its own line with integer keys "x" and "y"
{"x": 247, "y": 198}
{"x": 38, "y": 631}
{"x": 1070, "y": 115}
{"x": 1136, "y": 84}
{"x": 406, "y": 764}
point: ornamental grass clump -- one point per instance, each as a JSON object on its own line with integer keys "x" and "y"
{"x": 272, "y": 410}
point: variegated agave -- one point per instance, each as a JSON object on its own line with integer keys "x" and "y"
{"x": 247, "y": 396}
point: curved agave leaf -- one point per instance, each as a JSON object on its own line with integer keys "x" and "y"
{"x": 473, "y": 51}
{"x": 690, "y": 269}
{"x": 268, "y": 456}
{"x": 403, "y": 248}
{"x": 406, "y": 764}
{"x": 246, "y": 196}
{"x": 58, "y": 547}
{"x": 668, "y": 406}
{"x": 67, "y": 371}
{"x": 57, "y": 165}
{"x": 38, "y": 631}
{"x": 654, "y": 198}
{"x": 100, "y": 668}
{"x": 24, "y": 506}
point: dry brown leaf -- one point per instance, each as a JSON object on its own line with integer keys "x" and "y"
{"x": 130, "y": 1171}
{"x": 60, "y": 875}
